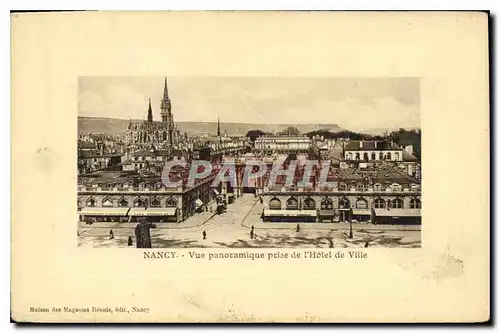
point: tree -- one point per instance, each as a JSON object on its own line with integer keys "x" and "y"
{"x": 254, "y": 134}
{"x": 290, "y": 130}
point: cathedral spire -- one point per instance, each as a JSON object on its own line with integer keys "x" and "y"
{"x": 150, "y": 112}
{"x": 165, "y": 89}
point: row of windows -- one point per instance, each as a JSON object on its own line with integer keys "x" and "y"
{"x": 106, "y": 202}
{"x": 376, "y": 187}
{"x": 344, "y": 203}
{"x": 366, "y": 156}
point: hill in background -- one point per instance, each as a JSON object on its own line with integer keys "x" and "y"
{"x": 114, "y": 126}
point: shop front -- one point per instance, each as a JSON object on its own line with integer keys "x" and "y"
{"x": 153, "y": 214}
{"x": 272, "y": 215}
{"x": 397, "y": 216}
{"x": 103, "y": 214}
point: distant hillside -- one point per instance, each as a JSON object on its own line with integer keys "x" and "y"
{"x": 381, "y": 131}
{"x": 114, "y": 126}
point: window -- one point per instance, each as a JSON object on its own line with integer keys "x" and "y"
{"x": 139, "y": 203}
{"x": 389, "y": 156}
{"x": 123, "y": 203}
{"x": 275, "y": 204}
{"x": 357, "y": 156}
{"x": 292, "y": 203}
{"x": 365, "y": 156}
{"x": 309, "y": 204}
{"x": 396, "y": 156}
{"x": 91, "y": 202}
{"x": 379, "y": 203}
{"x": 342, "y": 187}
{"x": 377, "y": 187}
{"x": 344, "y": 203}
{"x": 106, "y": 202}
{"x": 155, "y": 203}
{"x": 381, "y": 156}
{"x": 373, "y": 156}
{"x": 349, "y": 156}
{"x": 397, "y": 203}
{"x": 326, "y": 204}
{"x": 360, "y": 187}
{"x": 396, "y": 187}
{"x": 361, "y": 203}
{"x": 415, "y": 203}
{"x": 170, "y": 202}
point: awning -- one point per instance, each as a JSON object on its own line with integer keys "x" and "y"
{"x": 152, "y": 211}
{"x": 397, "y": 212}
{"x": 272, "y": 212}
{"x": 361, "y": 212}
{"x": 328, "y": 212}
{"x": 104, "y": 211}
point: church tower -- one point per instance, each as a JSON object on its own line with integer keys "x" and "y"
{"x": 150, "y": 112}
{"x": 166, "y": 113}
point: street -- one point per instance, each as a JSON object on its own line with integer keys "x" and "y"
{"x": 232, "y": 230}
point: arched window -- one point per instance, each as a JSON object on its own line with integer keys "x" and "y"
{"x": 360, "y": 187}
{"x": 139, "y": 203}
{"x": 275, "y": 204}
{"x": 342, "y": 187}
{"x": 377, "y": 187}
{"x": 397, "y": 203}
{"x": 155, "y": 203}
{"x": 91, "y": 202}
{"x": 396, "y": 187}
{"x": 170, "y": 202}
{"x": 292, "y": 203}
{"x": 344, "y": 203}
{"x": 379, "y": 203}
{"x": 326, "y": 204}
{"x": 361, "y": 203}
{"x": 365, "y": 156}
{"x": 349, "y": 156}
{"x": 373, "y": 156}
{"x": 389, "y": 157}
{"x": 381, "y": 156}
{"x": 396, "y": 156}
{"x": 123, "y": 203}
{"x": 357, "y": 156}
{"x": 309, "y": 204}
{"x": 415, "y": 203}
{"x": 106, "y": 202}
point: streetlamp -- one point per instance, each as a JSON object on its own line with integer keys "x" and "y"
{"x": 350, "y": 224}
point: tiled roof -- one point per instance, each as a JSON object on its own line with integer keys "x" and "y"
{"x": 407, "y": 157}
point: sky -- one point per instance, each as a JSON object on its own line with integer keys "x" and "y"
{"x": 352, "y": 103}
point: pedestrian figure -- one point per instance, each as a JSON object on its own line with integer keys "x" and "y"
{"x": 252, "y": 227}
{"x": 130, "y": 243}
{"x": 251, "y": 234}
{"x": 366, "y": 244}
{"x": 204, "y": 234}
{"x": 298, "y": 228}
{"x": 111, "y": 235}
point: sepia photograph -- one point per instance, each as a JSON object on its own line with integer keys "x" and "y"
{"x": 244, "y": 162}
{"x": 207, "y": 167}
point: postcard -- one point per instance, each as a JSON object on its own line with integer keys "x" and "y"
{"x": 250, "y": 167}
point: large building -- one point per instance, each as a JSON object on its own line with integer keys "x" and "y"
{"x": 281, "y": 144}
{"x": 149, "y": 134}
